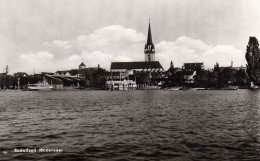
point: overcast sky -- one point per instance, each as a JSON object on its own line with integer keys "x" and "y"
{"x": 51, "y": 35}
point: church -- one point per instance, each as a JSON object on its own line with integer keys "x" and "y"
{"x": 124, "y": 70}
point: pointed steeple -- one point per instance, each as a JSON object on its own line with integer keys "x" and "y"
{"x": 149, "y": 36}
{"x": 149, "y": 49}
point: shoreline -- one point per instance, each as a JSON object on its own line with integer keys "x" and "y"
{"x": 161, "y": 89}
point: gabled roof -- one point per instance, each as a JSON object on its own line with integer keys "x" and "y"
{"x": 85, "y": 70}
{"x": 136, "y": 65}
{"x": 82, "y": 64}
{"x": 71, "y": 72}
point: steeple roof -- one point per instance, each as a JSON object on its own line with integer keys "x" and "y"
{"x": 149, "y": 36}
{"x": 82, "y": 64}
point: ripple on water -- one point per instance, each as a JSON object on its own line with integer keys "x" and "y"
{"x": 131, "y": 125}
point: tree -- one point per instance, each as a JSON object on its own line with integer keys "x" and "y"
{"x": 253, "y": 60}
{"x": 100, "y": 78}
{"x": 201, "y": 77}
{"x": 142, "y": 77}
{"x": 241, "y": 77}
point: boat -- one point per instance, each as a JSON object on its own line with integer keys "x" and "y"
{"x": 40, "y": 86}
{"x": 200, "y": 88}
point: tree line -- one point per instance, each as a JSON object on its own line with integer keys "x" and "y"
{"x": 173, "y": 77}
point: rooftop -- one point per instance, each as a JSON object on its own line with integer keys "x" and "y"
{"x": 136, "y": 65}
{"x": 82, "y": 64}
{"x": 193, "y": 65}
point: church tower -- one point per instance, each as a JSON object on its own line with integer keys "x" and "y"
{"x": 149, "y": 50}
{"x": 82, "y": 66}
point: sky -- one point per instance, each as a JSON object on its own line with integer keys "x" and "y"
{"x": 47, "y": 35}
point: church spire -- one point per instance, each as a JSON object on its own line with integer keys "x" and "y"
{"x": 149, "y": 49}
{"x": 149, "y": 36}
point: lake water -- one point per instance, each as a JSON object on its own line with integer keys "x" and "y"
{"x": 131, "y": 125}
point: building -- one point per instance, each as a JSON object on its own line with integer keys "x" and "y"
{"x": 82, "y": 76}
{"x": 193, "y": 66}
{"x": 82, "y": 66}
{"x": 149, "y": 49}
{"x": 189, "y": 71}
{"x": 80, "y": 72}
{"x": 124, "y": 70}
{"x": 220, "y": 69}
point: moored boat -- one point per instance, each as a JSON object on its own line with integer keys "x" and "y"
{"x": 174, "y": 89}
{"x": 40, "y": 86}
{"x": 200, "y": 88}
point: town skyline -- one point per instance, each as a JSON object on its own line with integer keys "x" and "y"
{"x": 47, "y": 36}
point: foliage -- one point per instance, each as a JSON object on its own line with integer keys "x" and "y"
{"x": 142, "y": 77}
{"x": 97, "y": 78}
{"x": 253, "y": 60}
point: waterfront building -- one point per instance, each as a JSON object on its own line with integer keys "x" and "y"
{"x": 123, "y": 70}
{"x": 83, "y": 76}
{"x": 127, "y": 70}
{"x": 234, "y": 75}
{"x": 80, "y": 72}
{"x": 190, "y": 69}
{"x": 221, "y": 68}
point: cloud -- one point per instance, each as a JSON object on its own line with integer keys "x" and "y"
{"x": 74, "y": 58}
{"x": 194, "y": 44}
{"x": 25, "y": 25}
{"x": 42, "y": 55}
{"x": 110, "y": 43}
{"x": 185, "y": 49}
{"x": 114, "y": 39}
{"x": 42, "y": 61}
{"x": 118, "y": 43}
{"x": 122, "y": 59}
{"x": 92, "y": 59}
{"x": 58, "y": 45}
{"x": 224, "y": 54}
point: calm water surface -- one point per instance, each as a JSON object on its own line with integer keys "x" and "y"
{"x": 131, "y": 125}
